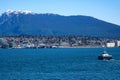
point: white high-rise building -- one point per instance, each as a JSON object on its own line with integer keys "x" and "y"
{"x": 118, "y": 43}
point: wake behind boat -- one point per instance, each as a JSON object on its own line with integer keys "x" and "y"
{"x": 105, "y": 56}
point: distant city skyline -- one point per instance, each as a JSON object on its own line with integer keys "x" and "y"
{"x": 107, "y": 10}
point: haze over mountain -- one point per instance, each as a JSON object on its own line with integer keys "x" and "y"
{"x": 26, "y": 22}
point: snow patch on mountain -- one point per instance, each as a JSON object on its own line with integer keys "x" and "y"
{"x": 8, "y": 12}
{"x": 27, "y": 12}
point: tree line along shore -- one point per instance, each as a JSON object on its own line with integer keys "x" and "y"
{"x": 28, "y": 41}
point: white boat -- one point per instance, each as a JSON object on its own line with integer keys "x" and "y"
{"x": 104, "y": 56}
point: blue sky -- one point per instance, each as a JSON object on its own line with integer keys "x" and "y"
{"x": 107, "y": 10}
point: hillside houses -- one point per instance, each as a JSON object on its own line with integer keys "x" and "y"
{"x": 54, "y": 41}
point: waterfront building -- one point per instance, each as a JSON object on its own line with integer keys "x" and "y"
{"x": 118, "y": 43}
{"x": 112, "y": 44}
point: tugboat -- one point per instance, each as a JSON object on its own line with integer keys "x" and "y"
{"x": 105, "y": 56}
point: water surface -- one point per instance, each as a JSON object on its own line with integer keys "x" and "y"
{"x": 58, "y": 64}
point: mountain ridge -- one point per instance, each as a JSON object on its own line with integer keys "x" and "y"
{"x": 16, "y": 23}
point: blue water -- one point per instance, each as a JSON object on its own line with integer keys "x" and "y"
{"x": 58, "y": 64}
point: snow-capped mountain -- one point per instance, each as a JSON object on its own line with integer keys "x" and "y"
{"x": 27, "y": 22}
{"x": 8, "y": 12}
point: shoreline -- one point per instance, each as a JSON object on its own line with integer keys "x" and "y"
{"x": 60, "y": 48}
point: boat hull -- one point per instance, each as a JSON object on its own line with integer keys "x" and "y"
{"x": 104, "y": 57}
